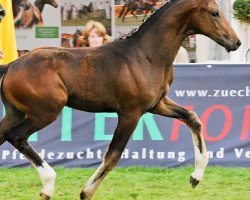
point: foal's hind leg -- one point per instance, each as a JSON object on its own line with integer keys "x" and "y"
{"x": 168, "y": 108}
{"x": 40, "y": 101}
{"x": 16, "y": 127}
{"x": 18, "y": 136}
{"x": 124, "y": 129}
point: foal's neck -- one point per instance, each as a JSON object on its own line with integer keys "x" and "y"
{"x": 160, "y": 39}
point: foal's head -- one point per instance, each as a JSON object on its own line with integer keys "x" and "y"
{"x": 2, "y": 13}
{"x": 209, "y": 20}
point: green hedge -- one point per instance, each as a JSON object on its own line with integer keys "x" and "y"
{"x": 242, "y": 10}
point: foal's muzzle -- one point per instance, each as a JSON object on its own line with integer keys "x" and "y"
{"x": 231, "y": 43}
{"x": 233, "y": 47}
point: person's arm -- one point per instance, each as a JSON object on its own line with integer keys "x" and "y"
{"x": 1, "y": 54}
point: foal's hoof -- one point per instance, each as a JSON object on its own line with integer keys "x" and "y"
{"x": 194, "y": 182}
{"x": 83, "y": 196}
{"x": 44, "y": 197}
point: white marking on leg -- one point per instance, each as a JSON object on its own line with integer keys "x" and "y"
{"x": 95, "y": 180}
{"x": 201, "y": 160}
{"x": 48, "y": 177}
{"x": 91, "y": 186}
{"x": 199, "y": 165}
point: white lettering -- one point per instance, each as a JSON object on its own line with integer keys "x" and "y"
{"x": 151, "y": 154}
{"x": 79, "y": 155}
{"x": 60, "y": 155}
{"x": 247, "y": 154}
{"x": 50, "y": 155}
{"x": 5, "y": 154}
{"x": 247, "y": 91}
{"x": 144, "y": 153}
{"x": 181, "y": 156}
{"x": 216, "y": 93}
{"x": 22, "y": 157}
{"x": 70, "y": 155}
{"x": 238, "y": 152}
{"x": 220, "y": 153}
{"x": 99, "y": 154}
{"x": 90, "y": 154}
{"x": 125, "y": 154}
{"x": 135, "y": 155}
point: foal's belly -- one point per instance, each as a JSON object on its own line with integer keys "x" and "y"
{"x": 90, "y": 105}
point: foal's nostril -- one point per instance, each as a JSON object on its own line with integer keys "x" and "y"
{"x": 238, "y": 44}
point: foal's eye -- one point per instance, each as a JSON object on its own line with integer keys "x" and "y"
{"x": 215, "y": 14}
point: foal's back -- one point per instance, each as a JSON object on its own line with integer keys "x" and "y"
{"x": 90, "y": 79}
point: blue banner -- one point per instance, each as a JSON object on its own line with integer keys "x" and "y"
{"x": 219, "y": 94}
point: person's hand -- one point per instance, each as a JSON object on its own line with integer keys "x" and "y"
{"x": 1, "y": 54}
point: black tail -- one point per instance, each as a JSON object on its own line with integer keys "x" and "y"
{"x": 3, "y": 70}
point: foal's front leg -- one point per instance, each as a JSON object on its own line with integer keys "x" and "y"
{"x": 126, "y": 126}
{"x": 168, "y": 108}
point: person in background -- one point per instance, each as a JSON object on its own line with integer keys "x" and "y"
{"x": 1, "y": 54}
{"x": 95, "y": 34}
